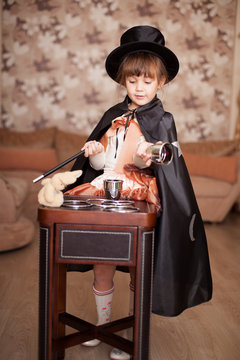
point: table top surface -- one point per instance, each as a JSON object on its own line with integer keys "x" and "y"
{"x": 144, "y": 217}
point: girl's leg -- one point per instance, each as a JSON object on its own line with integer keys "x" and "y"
{"x": 103, "y": 277}
{"x": 132, "y": 290}
{"x": 103, "y": 288}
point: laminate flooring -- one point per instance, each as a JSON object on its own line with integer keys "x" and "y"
{"x": 210, "y": 331}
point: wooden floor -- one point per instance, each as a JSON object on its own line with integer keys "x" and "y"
{"x": 207, "y": 332}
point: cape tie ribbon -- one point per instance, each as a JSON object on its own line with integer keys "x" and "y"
{"x": 125, "y": 121}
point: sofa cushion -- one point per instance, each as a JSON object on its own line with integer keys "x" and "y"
{"x": 39, "y": 139}
{"x": 16, "y": 235}
{"x": 19, "y": 189}
{"x": 24, "y": 159}
{"x": 8, "y": 213}
{"x": 30, "y": 205}
{"x": 222, "y": 168}
{"x": 213, "y": 148}
{"x": 13, "y": 193}
{"x": 210, "y": 188}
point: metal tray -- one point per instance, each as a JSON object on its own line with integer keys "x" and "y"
{"x": 76, "y": 204}
{"x": 122, "y": 209}
{"x": 104, "y": 203}
{"x": 118, "y": 203}
{"x": 96, "y": 202}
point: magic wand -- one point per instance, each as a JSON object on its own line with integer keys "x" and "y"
{"x": 58, "y": 166}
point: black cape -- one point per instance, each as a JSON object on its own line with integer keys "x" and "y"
{"x": 182, "y": 276}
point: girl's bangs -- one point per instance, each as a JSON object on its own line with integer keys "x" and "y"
{"x": 140, "y": 66}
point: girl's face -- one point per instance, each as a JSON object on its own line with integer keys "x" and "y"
{"x": 141, "y": 89}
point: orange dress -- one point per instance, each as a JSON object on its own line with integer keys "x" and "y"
{"x": 120, "y": 143}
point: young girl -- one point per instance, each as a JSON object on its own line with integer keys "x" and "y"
{"x": 182, "y": 277}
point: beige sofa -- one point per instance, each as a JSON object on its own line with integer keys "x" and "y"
{"x": 214, "y": 168}
{"x": 26, "y": 155}
{"x": 23, "y": 157}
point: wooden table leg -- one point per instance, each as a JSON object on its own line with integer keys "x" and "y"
{"x": 52, "y": 295}
{"x": 59, "y": 306}
{"x": 44, "y": 335}
{"x": 143, "y": 290}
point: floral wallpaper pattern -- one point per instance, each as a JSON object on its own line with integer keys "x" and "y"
{"x": 54, "y": 51}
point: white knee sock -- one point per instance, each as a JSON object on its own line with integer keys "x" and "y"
{"x": 104, "y": 305}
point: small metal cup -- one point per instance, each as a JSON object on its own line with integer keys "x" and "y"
{"x": 161, "y": 154}
{"x": 113, "y": 188}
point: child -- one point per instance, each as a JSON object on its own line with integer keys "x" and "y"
{"x": 182, "y": 277}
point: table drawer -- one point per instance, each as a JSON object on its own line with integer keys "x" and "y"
{"x": 95, "y": 244}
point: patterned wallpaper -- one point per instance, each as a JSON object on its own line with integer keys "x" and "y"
{"x": 53, "y": 54}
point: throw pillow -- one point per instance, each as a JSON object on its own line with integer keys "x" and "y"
{"x": 27, "y": 159}
{"x": 222, "y": 168}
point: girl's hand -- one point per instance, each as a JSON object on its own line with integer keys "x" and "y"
{"x": 92, "y": 148}
{"x": 141, "y": 152}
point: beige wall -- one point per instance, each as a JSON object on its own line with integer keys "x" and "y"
{"x": 1, "y": 57}
{"x": 54, "y": 53}
{"x": 235, "y": 95}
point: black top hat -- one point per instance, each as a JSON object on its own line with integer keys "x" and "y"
{"x": 142, "y": 39}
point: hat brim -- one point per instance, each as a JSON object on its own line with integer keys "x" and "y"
{"x": 116, "y": 57}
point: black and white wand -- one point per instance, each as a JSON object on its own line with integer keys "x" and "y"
{"x": 58, "y": 166}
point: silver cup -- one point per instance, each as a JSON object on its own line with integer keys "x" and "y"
{"x": 113, "y": 188}
{"x": 161, "y": 154}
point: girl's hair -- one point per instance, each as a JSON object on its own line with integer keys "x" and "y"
{"x": 141, "y": 64}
